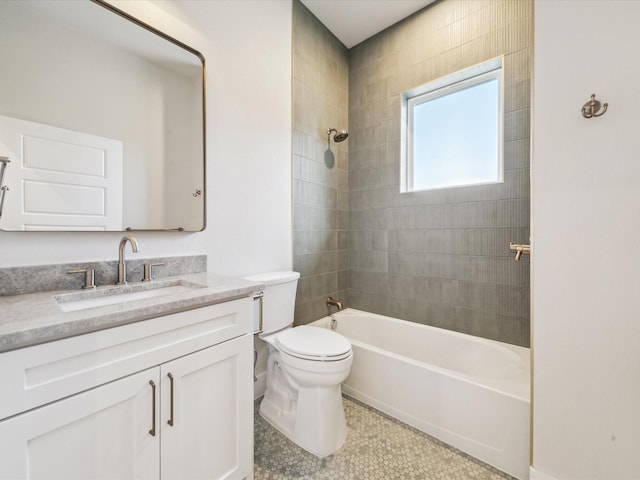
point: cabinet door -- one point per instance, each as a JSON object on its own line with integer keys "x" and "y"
{"x": 99, "y": 434}
{"x": 211, "y": 412}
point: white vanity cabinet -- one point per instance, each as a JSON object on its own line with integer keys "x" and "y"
{"x": 166, "y": 398}
{"x": 211, "y": 436}
{"x": 101, "y": 433}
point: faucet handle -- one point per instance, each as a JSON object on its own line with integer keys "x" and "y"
{"x": 89, "y": 276}
{"x": 148, "y": 270}
{"x": 519, "y": 249}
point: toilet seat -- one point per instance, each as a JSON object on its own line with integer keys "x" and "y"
{"x": 313, "y": 343}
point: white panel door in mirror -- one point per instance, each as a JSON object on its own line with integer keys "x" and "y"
{"x": 59, "y": 178}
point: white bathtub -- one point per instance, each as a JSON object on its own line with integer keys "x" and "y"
{"x": 469, "y": 392}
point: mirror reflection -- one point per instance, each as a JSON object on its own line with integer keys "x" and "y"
{"x": 101, "y": 121}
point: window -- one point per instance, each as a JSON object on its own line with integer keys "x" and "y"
{"x": 453, "y": 130}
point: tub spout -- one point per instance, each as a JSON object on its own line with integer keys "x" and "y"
{"x": 333, "y": 303}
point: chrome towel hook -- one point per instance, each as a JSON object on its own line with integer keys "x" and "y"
{"x": 591, "y": 109}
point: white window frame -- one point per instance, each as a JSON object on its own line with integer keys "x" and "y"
{"x": 463, "y": 80}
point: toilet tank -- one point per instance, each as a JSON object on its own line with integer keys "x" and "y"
{"x": 279, "y": 299}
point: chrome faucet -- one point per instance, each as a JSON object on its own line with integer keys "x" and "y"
{"x": 333, "y": 303}
{"x": 122, "y": 266}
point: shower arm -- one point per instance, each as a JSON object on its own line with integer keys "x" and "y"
{"x": 329, "y": 130}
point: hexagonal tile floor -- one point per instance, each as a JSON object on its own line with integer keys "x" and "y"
{"x": 378, "y": 447}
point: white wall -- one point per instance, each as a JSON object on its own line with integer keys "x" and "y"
{"x": 586, "y": 221}
{"x": 247, "y": 45}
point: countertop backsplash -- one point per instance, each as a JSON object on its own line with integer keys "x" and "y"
{"x": 42, "y": 278}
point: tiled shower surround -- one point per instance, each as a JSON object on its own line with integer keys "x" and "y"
{"x": 320, "y": 186}
{"x": 437, "y": 257}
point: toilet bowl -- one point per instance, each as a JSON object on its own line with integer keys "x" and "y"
{"x": 305, "y": 369}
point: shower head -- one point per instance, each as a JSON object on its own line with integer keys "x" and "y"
{"x": 339, "y": 136}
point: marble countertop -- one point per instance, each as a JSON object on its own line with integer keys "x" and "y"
{"x": 35, "y": 318}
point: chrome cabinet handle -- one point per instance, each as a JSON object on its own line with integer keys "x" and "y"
{"x": 170, "y": 421}
{"x": 152, "y": 432}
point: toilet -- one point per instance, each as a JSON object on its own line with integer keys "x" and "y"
{"x": 305, "y": 367}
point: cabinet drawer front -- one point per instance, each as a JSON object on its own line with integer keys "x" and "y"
{"x": 44, "y": 373}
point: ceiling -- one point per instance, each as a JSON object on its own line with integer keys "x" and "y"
{"x": 353, "y": 21}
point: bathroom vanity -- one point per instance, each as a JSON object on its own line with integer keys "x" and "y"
{"x": 143, "y": 388}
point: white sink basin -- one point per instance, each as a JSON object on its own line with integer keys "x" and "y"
{"x": 70, "y": 302}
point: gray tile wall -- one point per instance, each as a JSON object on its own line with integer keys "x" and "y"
{"x": 320, "y": 177}
{"x": 440, "y": 257}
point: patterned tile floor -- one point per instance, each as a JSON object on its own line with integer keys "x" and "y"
{"x": 377, "y": 448}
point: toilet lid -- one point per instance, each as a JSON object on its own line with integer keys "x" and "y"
{"x": 313, "y": 343}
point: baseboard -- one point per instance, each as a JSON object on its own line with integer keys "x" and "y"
{"x": 538, "y": 475}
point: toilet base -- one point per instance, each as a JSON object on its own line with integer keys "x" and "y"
{"x": 311, "y": 417}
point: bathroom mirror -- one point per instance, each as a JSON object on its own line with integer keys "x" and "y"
{"x": 101, "y": 121}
